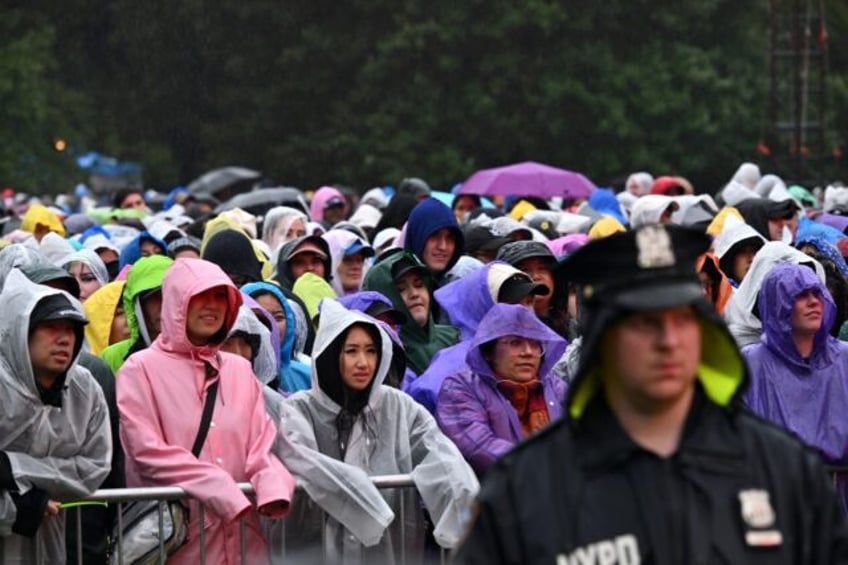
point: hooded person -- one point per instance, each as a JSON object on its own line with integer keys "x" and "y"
{"x": 366, "y": 218}
{"x": 741, "y": 312}
{"x": 748, "y": 175}
{"x": 55, "y": 247}
{"x": 798, "y": 370}
{"x": 350, "y": 426}
{"x": 88, "y": 268}
{"x": 639, "y": 184}
{"x": 328, "y": 206}
{"x": 467, "y": 300}
{"x": 294, "y": 373}
{"x": 652, "y": 209}
{"x": 39, "y": 221}
{"x": 655, "y": 460}
{"x": 404, "y": 280}
{"x": 142, "y": 245}
{"x": 717, "y": 288}
{"x": 603, "y": 201}
{"x": 142, "y": 305}
{"x": 233, "y": 252}
{"x": 377, "y": 306}
{"x": 107, "y": 321}
{"x": 309, "y": 253}
{"x": 735, "y": 248}
{"x": 433, "y": 235}
{"x": 251, "y": 339}
{"x": 508, "y": 391}
{"x": 349, "y": 260}
{"x": 775, "y": 221}
{"x": 282, "y": 224}
{"x": 55, "y": 442}
{"x": 161, "y": 394}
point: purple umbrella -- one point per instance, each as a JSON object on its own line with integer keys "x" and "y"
{"x": 528, "y": 179}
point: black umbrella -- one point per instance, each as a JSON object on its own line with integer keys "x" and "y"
{"x": 225, "y": 182}
{"x": 260, "y": 200}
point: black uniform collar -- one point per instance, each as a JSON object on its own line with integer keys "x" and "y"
{"x": 603, "y": 443}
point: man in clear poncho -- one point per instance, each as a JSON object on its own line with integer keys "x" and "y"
{"x": 386, "y": 433}
{"x": 55, "y": 442}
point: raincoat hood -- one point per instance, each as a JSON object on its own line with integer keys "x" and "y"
{"x": 428, "y": 217}
{"x": 335, "y": 321}
{"x": 649, "y": 209}
{"x": 40, "y": 214}
{"x": 320, "y": 199}
{"x": 312, "y": 289}
{"x": 826, "y": 250}
{"x": 146, "y": 274}
{"x": 287, "y": 343}
{"x": 511, "y": 319}
{"x": 56, "y": 248}
{"x": 92, "y": 260}
{"x": 234, "y": 253}
{"x": 22, "y": 257}
{"x": 781, "y": 287}
{"x": 184, "y": 280}
{"x": 604, "y": 201}
{"x": 100, "y": 311}
{"x": 264, "y": 361}
{"x": 132, "y": 250}
{"x": 277, "y": 222}
{"x": 20, "y": 297}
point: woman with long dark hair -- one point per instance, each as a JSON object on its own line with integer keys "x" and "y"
{"x": 349, "y": 427}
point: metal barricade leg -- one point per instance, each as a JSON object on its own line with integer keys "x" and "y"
{"x": 243, "y": 541}
{"x": 202, "y": 531}
{"x": 79, "y": 534}
{"x": 161, "y": 534}
{"x": 120, "y": 534}
{"x": 402, "y": 529}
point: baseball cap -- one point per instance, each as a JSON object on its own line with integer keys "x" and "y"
{"x": 508, "y": 284}
{"x": 356, "y": 247}
{"x": 408, "y": 263}
{"x": 310, "y": 244}
{"x": 379, "y": 308}
{"x": 56, "y": 307}
{"x": 334, "y": 202}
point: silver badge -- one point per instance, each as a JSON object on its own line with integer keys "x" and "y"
{"x": 756, "y": 508}
{"x": 654, "y": 246}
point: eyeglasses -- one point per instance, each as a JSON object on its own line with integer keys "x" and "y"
{"x": 522, "y": 346}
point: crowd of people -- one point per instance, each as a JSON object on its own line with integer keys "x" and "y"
{"x": 632, "y": 343}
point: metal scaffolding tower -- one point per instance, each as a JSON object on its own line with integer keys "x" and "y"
{"x": 797, "y": 102}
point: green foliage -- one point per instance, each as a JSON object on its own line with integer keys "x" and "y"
{"x": 366, "y": 93}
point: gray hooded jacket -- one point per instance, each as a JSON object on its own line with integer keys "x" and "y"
{"x": 65, "y": 451}
{"x": 392, "y": 435}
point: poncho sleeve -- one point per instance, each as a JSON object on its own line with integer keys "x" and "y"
{"x": 444, "y": 480}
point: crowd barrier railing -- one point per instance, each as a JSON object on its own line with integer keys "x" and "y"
{"x": 123, "y": 496}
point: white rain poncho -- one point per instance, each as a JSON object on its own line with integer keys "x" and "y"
{"x": 391, "y": 435}
{"x": 739, "y": 313}
{"x": 92, "y": 260}
{"x": 276, "y": 224}
{"x": 264, "y": 360}
{"x": 65, "y": 451}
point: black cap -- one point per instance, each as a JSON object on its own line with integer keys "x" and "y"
{"x": 650, "y": 268}
{"x": 56, "y": 307}
{"x": 517, "y": 251}
{"x": 378, "y": 308}
{"x": 481, "y": 238}
{"x": 518, "y": 286}
{"x": 408, "y": 263}
{"x": 334, "y": 202}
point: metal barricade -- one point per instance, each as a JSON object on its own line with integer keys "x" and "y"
{"x": 128, "y": 495}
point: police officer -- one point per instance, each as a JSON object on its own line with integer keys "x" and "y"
{"x": 655, "y": 461}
